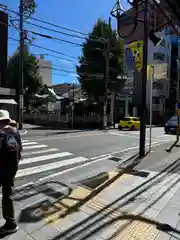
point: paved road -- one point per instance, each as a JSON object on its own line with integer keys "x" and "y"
{"x": 77, "y": 155}
{"x": 95, "y": 143}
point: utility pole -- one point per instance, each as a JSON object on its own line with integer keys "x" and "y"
{"x": 72, "y": 108}
{"x": 106, "y": 79}
{"x": 177, "y": 96}
{"x": 150, "y": 106}
{"x": 20, "y": 82}
{"x": 143, "y": 85}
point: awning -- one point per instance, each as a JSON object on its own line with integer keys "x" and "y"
{"x": 8, "y": 101}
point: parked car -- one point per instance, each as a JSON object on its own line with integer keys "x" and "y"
{"x": 171, "y": 125}
{"x": 131, "y": 123}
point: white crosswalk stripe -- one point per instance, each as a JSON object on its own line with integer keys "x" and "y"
{"x": 35, "y": 146}
{"x": 39, "y": 159}
{"x": 30, "y": 143}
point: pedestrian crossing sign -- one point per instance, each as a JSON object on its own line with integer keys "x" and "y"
{"x": 137, "y": 52}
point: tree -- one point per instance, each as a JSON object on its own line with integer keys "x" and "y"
{"x": 32, "y": 79}
{"x": 91, "y": 69}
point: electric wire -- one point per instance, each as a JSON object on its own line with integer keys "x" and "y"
{"x": 61, "y": 27}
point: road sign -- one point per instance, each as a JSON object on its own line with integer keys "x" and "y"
{"x": 137, "y": 52}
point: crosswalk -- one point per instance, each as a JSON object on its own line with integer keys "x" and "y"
{"x": 39, "y": 159}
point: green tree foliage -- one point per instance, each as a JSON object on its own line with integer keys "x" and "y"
{"x": 91, "y": 67}
{"x": 32, "y": 79}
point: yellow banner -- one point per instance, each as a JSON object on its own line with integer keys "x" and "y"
{"x": 137, "y": 52}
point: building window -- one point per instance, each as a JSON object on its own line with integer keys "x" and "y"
{"x": 158, "y": 86}
{"x": 163, "y": 43}
{"x": 159, "y": 56}
{"x": 155, "y": 100}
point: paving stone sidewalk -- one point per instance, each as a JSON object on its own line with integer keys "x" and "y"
{"x": 139, "y": 204}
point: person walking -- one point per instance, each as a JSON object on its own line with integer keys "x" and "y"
{"x": 10, "y": 155}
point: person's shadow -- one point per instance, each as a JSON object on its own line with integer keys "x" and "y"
{"x": 3, "y": 235}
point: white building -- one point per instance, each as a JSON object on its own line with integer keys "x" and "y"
{"x": 159, "y": 57}
{"x": 45, "y": 68}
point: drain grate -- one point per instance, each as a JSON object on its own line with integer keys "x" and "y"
{"x": 139, "y": 173}
{"x": 115, "y": 159}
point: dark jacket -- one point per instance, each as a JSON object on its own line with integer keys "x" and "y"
{"x": 9, "y": 159}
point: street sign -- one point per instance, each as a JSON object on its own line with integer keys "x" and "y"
{"x": 137, "y": 52}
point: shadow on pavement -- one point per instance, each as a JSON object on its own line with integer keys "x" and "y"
{"x": 98, "y": 217}
{"x": 32, "y": 190}
{"x": 45, "y": 208}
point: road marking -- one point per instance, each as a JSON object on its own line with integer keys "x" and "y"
{"x": 69, "y": 170}
{"x": 70, "y": 136}
{"x": 29, "y": 143}
{"x": 126, "y": 150}
{"x": 50, "y": 166}
{"x": 34, "y": 146}
{"x": 44, "y": 158}
{"x": 24, "y": 141}
{"x": 41, "y": 151}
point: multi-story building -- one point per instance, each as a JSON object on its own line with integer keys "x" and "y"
{"x": 158, "y": 56}
{"x": 45, "y": 68}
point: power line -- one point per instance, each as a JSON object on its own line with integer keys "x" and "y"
{"x": 51, "y": 55}
{"x": 56, "y": 31}
{"x": 93, "y": 38}
{"x": 54, "y": 38}
{"x": 84, "y": 61}
{"x": 47, "y": 49}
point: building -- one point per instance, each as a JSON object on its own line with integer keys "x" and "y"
{"x": 7, "y": 95}
{"x": 3, "y": 47}
{"x": 158, "y": 56}
{"x": 173, "y": 73}
{"x": 45, "y": 68}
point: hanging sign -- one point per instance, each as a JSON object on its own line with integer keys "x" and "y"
{"x": 137, "y": 52}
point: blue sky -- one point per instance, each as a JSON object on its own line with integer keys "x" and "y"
{"x": 79, "y": 15}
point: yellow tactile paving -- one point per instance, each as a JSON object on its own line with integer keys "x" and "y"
{"x": 136, "y": 231}
{"x": 65, "y": 204}
{"x": 128, "y": 229}
{"x": 59, "y": 210}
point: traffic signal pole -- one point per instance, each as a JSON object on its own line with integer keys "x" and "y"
{"x": 142, "y": 140}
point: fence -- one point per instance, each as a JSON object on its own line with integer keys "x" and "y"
{"x": 58, "y": 120}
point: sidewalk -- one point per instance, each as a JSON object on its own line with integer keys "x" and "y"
{"x": 125, "y": 204}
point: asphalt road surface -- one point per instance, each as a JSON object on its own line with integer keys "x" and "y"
{"x": 77, "y": 155}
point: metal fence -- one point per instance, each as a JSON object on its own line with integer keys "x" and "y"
{"x": 57, "y": 118}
